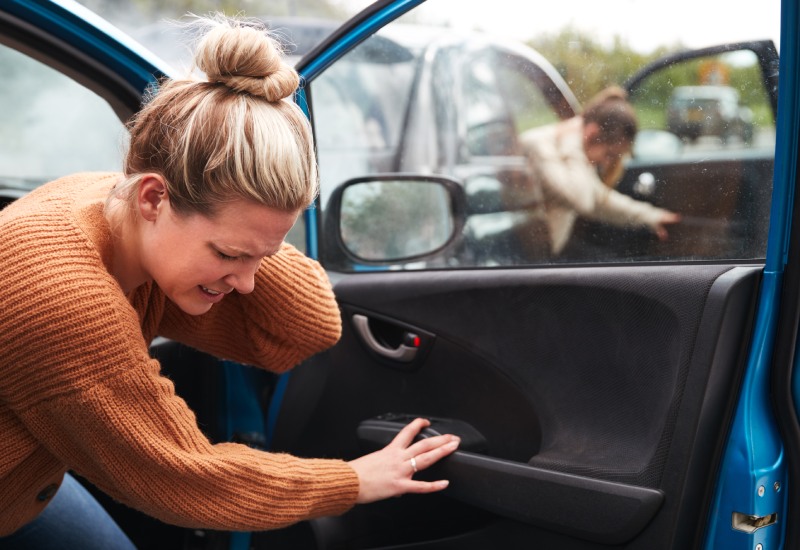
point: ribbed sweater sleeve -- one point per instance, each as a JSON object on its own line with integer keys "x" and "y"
{"x": 137, "y": 442}
{"x": 77, "y": 374}
{"x": 290, "y": 315}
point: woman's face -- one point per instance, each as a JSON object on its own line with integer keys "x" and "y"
{"x": 197, "y": 260}
{"x": 599, "y": 153}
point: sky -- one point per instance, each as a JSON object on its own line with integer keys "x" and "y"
{"x": 645, "y": 24}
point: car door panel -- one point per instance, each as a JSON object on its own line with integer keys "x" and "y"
{"x": 723, "y": 218}
{"x": 593, "y": 402}
{"x": 587, "y": 386}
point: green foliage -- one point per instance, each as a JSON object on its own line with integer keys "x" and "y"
{"x": 748, "y": 81}
{"x": 587, "y": 65}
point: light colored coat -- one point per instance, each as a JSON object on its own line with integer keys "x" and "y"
{"x": 570, "y": 185}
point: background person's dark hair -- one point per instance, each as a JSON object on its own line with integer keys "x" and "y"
{"x": 610, "y": 110}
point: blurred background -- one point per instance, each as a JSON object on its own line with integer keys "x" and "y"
{"x": 619, "y": 36}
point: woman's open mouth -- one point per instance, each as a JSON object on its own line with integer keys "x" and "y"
{"x": 212, "y": 295}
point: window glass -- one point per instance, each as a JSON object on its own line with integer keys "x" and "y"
{"x": 717, "y": 99}
{"x": 359, "y": 107}
{"x": 524, "y": 93}
{"x": 705, "y": 145}
{"x": 490, "y": 128}
{"x": 51, "y": 126}
{"x": 548, "y": 177}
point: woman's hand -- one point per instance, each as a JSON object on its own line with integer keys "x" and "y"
{"x": 389, "y": 472}
{"x": 667, "y": 218}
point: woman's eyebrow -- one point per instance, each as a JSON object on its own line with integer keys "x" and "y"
{"x": 236, "y": 251}
{"x": 233, "y": 250}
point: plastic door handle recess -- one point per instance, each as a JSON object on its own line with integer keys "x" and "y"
{"x": 402, "y": 353}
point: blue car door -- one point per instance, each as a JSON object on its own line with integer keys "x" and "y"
{"x": 628, "y": 392}
{"x": 631, "y": 394}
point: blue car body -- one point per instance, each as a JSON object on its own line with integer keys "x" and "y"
{"x": 754, "y": 476}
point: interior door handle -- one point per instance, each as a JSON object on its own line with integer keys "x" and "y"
{"x": 405, "y": 352}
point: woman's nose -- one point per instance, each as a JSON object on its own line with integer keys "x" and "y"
{"x": 243, "y": 279}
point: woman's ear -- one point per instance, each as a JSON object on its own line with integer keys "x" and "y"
{"x": 591, "y": 132}
{"x": 151, "y": 196}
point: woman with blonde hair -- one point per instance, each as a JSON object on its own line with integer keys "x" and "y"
{"x": 187, "y": 243}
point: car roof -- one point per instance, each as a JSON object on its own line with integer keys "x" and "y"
{"x": 709, "y": 91}
{"x": 404, "y": 41}
{"x": 300, "y": 35}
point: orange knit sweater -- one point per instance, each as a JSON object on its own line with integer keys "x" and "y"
{"x": 78, "y": 389}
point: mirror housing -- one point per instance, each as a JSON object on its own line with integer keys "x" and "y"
{"x": 383, "y": 220}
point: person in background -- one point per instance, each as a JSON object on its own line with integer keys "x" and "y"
{"x": 575, "y": 165}
{"x": 187, "y": 243}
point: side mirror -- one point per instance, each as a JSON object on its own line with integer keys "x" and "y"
{"x": 390, "y": 219}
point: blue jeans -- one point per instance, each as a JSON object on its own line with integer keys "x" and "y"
{"x": 72, "y": 520}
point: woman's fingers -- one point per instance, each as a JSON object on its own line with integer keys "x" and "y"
{"x": 430, "y": 451}
{"x": 421, "y": 487}
{"x": 390, "y": 471}
{"x": 406, "y": 436}
{"x": 433, "y": 450}
{"x": 437, "y": 444}
{"x": 427, "y": 450}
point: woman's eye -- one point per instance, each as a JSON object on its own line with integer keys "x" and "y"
{"x": 226, "y": 257}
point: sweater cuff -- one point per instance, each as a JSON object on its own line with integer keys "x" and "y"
{"x": 339, "y": 485}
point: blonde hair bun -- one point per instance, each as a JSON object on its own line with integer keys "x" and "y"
{"x": 233, "y": 133}
{"x": 242, "y": 56}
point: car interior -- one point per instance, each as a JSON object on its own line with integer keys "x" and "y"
{"x": 593, "y": 391}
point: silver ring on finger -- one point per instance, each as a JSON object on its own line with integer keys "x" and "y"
{"x": 414, "y": 464}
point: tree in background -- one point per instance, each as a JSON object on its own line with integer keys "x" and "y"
{"x": 589, "y": 66}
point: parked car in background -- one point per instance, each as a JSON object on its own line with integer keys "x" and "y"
{"x": 632, "y": 393}
{"x": 695, "y": 111}
{"x": 411, "y": 99}
{"x": 417, "y": 99}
